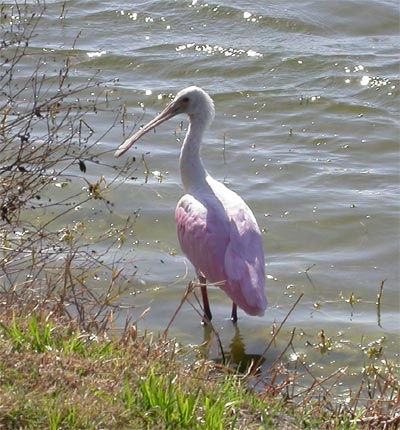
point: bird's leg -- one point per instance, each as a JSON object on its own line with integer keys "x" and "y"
{"x": 234, "y": 312}
{"x": 206, "y": 305}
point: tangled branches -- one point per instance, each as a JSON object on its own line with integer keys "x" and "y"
{"x": 49, "y": 254}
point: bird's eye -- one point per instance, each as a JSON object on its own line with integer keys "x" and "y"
{"x": 185, "y": 100}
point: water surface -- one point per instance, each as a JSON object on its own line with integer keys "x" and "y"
{"x": 306, "y": 131}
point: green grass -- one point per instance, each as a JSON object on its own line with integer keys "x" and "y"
{"x": 54, "y": 376}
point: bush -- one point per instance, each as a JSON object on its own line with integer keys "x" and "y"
{"x": 49, "y": 254}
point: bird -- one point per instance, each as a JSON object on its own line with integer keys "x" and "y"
{"x": 217, "y": 230}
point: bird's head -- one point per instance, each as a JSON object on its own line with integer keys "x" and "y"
{"x": 192, "y": 101}
{"x": 195, "y": 102}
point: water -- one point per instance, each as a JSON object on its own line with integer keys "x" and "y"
{"x": 306, "y": 131}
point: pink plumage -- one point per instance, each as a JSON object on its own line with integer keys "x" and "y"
{"x": 217, "y": 231}
{"x": 219, "y": 234}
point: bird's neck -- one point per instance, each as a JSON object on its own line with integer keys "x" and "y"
{"x": 193, "y": 173}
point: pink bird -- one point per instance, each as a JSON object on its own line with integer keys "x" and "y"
{"x": 217, "y": 231}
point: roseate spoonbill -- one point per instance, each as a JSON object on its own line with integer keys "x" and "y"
{"x": 216, "y": 229}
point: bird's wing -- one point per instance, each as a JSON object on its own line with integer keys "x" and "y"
{"x": 203, "y": 231}
{"x": 244, "y": 255}
{"x": 244, "y": 263}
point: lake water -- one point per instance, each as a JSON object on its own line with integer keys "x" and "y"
{"x": 306, "y": 131}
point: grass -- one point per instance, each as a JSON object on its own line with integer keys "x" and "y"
{"x": 54, "y": 376}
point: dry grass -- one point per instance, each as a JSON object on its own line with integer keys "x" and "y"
{"x": 53, "y": 375}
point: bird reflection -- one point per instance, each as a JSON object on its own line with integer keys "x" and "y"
{"x": 236, "y": 356}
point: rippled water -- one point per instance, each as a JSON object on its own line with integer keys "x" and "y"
{"x": 306, "y": 130}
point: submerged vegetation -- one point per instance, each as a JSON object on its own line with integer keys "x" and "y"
{"x": 62, "y": 365}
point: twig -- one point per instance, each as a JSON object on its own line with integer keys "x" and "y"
{"x": 378, "y": 303}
